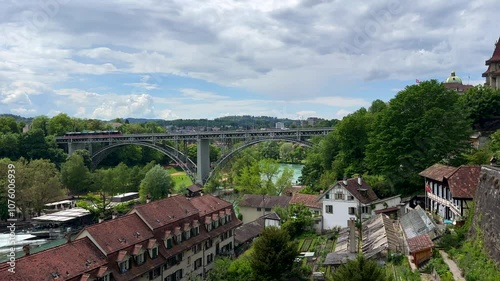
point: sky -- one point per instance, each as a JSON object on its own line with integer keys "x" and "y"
{"x": 208, "y": 59}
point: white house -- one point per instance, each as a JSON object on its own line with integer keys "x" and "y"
{"x": 343, "y": 200}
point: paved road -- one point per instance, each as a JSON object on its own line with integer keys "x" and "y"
{"x": 457, "y": 273}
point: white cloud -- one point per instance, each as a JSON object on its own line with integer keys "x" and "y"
{"x": 342, "y": 113}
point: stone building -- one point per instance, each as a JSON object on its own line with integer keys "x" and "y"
{"x": 170, "y": 239}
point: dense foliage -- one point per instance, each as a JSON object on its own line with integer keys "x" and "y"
{"x": 361, "y": 269}
{"x": 273, "y": 255}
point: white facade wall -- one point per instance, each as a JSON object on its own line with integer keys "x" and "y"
{"x": 275, "y": 223}
{"x": 340, "y": 214}
{"x": 389, "y": 202}
{"x": 251, "y": 213}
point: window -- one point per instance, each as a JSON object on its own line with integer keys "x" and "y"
{"x": 178, "y": 238}
{"x": 350, "y": 197}
{"x": 196, "y": 248}
{"x": 124, "y": 266}
{"x": 168, "y": 243}
{"x": 196, "y": 230}
{"x": 106, "y": 277}
{"x": 229, "y": 217}
{"x": 154, "y": 273}
{"x": 216, "y": 223}
{"x": 139, "y": 259}
{"x": 222, "y": 220}
{"x": 208, "y": 244}
{"x": 365, "y": 209}
{"x": 316, "y": 213}
{"x": 268, "y": 209}
{"x": 352, "y": 211}
{"x": 329, "y": 209}
{"x": 210, "y": 258}
{"x": 197, "y": 264}
{"x": 259, "y": 209}
{"x": 339, "y": 196}
{"x": 187, "y": 235}
{"x": 153, "y": 252}
{"x": 327, "y": 195}
{"x": 209, "y": 226}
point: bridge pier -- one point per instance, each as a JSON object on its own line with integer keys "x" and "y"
{"x": 72, "y": 146}
{"x": 203, "y": 160}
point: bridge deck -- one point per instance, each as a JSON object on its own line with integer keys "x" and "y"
{"x": 268, "y": 134}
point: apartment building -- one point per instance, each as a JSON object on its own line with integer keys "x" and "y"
{"x": 165, "y": 240}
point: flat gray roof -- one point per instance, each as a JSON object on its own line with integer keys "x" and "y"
{"x": 65, "y": 215}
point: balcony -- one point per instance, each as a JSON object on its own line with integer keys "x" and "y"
{"x": 444, "y": 202}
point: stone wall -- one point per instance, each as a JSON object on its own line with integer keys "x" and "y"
{"x": 487, "y": 210}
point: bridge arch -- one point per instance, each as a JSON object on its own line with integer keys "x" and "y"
{"x": 223, "y": 161}
{"x": 179, "y": 158}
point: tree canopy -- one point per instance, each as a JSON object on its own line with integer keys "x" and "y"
{"x": 156, "y": 184}
{"x": 273, "y": 255}
{"x": 360, "y": 269}
{"x": 422, "y": 125}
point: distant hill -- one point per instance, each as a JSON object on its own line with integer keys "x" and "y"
{"x": 18, "y": 118}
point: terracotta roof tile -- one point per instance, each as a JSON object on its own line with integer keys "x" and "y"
{"x": 137, "y": 249}
{"x": 419, "y": 243}
{"x": 207, "y": 204}
{"x": 68, "y": 261}
{"x": 437, "y": 172}
{"x": 357, "y": 190}
{"x": 102, "y": 270}
{"x": 119, "y": 233}
{"x": 464, "y": 181}
{"x": 166, "y": 211}
{"x": 264, "y": 201}
{"x": 496, "y": 54}
{"x": 308, "y": 200}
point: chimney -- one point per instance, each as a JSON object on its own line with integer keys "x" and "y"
{"x": 68, "y": 237}
{"x": 353, "y": 245}
{"x": 345, "y": 181}
{"x": 360, "y": 180}
{"x": 26, "y": 249}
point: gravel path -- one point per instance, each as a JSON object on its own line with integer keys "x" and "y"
{"x": 457, "y": 273}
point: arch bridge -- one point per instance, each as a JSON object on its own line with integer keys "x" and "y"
{"x": 201, "y": 171}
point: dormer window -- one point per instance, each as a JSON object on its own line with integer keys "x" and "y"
{"x": 140, "y": 258}
{"x": 187, "y": 231}
{"x": 178, "y": 235}
{"x": 106, "y": 277}
{"x": 178, "y": 238}
{"x": 153, "y": 253}
{"x": 195, "y": 231}
{"x": 169, "y": 243}
{"x": 208, "y": 226}
{"x": 124, "y": 265}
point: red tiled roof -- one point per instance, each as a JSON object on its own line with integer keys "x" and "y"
{"x": 207, "y": 204}
{"x": 102, "y": 270}
{"x": 463, "y": 182}
{"x": 68, "y": 261}
{"x": 356, "y": 190}
{"x": 420, "y": 243}
{"x": 121, "y": 256}
{"x": 437, "y": 172}
{"x": 151, "y": 244}
{"x": 85, "y": 277}
{"x": 496, "y": 54}
{"x": 137, "y": 249}
{"x": 120, "y": 233}
{"x": 308, "y": 200}
{"x": 165, "y": 211}
{"x": 264, "y": 201}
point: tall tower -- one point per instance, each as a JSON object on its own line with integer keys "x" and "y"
{"x": 492, "y": 74}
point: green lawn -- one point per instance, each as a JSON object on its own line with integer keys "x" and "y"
{"x": 180, "y": 178}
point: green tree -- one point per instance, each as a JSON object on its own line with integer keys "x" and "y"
{"x": 9, "y": 145}
{"x": 156, "y": 184}
{"x": 60, "y": 124}
{"x": 273, "y": 255}
{"x": 480, "y": 104}
{"x": 283, "y": 181}
{"x": 361, "y": 269}
{"x": 75, "y": 175}
{"x": 286, "y": 150}
{"x": 8, "y": 125}
{"x": 296, "y": 219}
{"x": 41, "y": 123}
{"x": 422, "y": 125}
{"x": 32, "y": 145}
{"x": 45, "y": 184}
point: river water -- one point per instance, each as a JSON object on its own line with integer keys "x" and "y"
{"x": 297, "y": 171}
